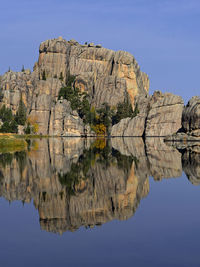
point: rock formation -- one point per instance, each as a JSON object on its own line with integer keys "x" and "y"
{"x": 190, "y": 130}
{"x": 106, "y": 75}
{"x": 159, "y": 115}
{"x": 191, "y": 117}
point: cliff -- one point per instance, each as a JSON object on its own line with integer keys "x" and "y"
{"x": 107, "y": 76}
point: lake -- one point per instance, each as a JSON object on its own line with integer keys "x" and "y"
{"x": 100, "y": 202}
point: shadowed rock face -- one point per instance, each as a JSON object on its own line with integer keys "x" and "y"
{"x": 106, "y": 75}
{"x": 191, "y": 117}
{"x": 84, "y": 182}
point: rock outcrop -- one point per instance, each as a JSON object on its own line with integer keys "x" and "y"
{"x": 190, "y": 130}
{"x": 106, "y": 75}
{"x": 191, "y": 117}
{"x": 159, "y": 115}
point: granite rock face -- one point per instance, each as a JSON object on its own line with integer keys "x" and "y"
{"x": 191, "y": 117}
{"x": 190, "y": 130}
{"x": 164, "y": 116}
{"x": 106, "y": 75}
{"x": 101, "y": 72}
{"x": 159, "y": 115}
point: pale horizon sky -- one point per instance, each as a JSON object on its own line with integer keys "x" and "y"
{"x": 163, "y": 35}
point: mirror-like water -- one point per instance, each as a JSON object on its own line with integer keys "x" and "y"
{"x": 74, "y": 187}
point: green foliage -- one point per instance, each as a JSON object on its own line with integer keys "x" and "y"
{"x": 80, "y": 171}
{"x": 98, "y": 119}
{"x": 79, "y": 101}
{"x": 124, "y": 110}
{"x": 44, "y": 75}
{"x": 23, "y": 68}
{"x": 105, "y": 115}
{"x": 124, "y": 162}
{"x": 20, "y": 117}
{"x": 5, "y": 159}
{"x": 28, "y": 128}
{"x": 5, "y": 114}
{"x": 9, "y": 123}
{"x": 10, "y": 143}
{"x": 99, "y": 152}
{"x": 1, "y": 94}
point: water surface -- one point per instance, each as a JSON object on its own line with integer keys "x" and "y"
{"x": 119, "y": 202}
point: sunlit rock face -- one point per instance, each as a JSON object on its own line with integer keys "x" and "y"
{"x": 159, "y": 115}
{"x": 190, "y": 130}
{"x": 107, "y": 76}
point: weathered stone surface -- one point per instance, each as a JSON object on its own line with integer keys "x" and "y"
{"x": 164, "y": 116}
{"x": 191, "y": 116}
{"x": 106, "y": 75}
{"x": 64, "y": 121}
{"x": 136, "y": 125}
{"x": 159, "y": 115}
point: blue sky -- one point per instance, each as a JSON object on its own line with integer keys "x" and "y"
{"x": 163, "y": 35}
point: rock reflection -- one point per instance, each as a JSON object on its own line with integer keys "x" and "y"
{"x": 83, "y": 182}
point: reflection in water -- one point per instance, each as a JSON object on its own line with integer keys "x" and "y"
{"x": 77, "y": 182}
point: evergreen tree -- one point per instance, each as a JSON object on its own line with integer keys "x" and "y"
{"x": 124, "y": 110}
{"x": 20, "y": 117}
{"x": 5, "y": 114}
{"x": 23, "y": 68}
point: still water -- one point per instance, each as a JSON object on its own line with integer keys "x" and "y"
{"x": 120, "y": 202}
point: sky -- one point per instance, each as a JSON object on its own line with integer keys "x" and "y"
{"x": 163, "y": 35}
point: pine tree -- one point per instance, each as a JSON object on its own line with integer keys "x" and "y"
{"x": 20, "y": 117}
{"x": 23, "y": 68}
